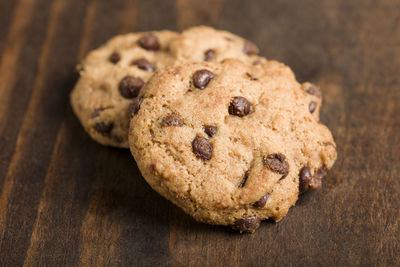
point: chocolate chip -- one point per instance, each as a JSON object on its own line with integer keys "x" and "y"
{"x": 117, "y": 139}
{"x": 314, "y": 90}
{"x": 243, "y": 182}
{"x": 134, "y": 106}
{"x": 304, "y": 179}
{"x": 249, "y": 224}
{"x": 172, "y": 120}
{"x": 143, "y": 64}
{"x": 96, "y": 112}
{"x": 328, "y": 144}
{"x": 250, "y": 48}
{"x": 277, "y": 163}
{"x": 153, "y": 167}
{"x": 312, "y": 106}
{"x": 248, "y": 75}
{"x": 114, "y": 58}
{"x": 202, "y": 148}
{"x": 261, "y": 202}
{"x": 149, "y": 42}
{"x": 210, "y": 130}
{"x": 129, "y": 87}
{"x": 316, "y": 181}
{"x": 239, "y": 106}
{"x": 209, "y": 54}
{"x": 103, "y": 128}
{"x": 201, "y": 78}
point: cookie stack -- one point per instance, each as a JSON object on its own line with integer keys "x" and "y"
{"x": 228, "y": 136}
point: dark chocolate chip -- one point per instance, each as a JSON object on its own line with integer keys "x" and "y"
{"x": 210, "y": 130}
{"x": 202, "y": 148}
{"x": 249, "y": 224}
{"x": 149, "y": 42}
{"x": 153, "y": 167}
{"x": 114, "y": 58}
{"x": 134, "y": 106}
{"x": 261, "y": 202}
{"x": 305, "y": 177}
{"x": 209, "y": 54}
{"x": 250, "y": 48}
{"x": 172, "y": 120}
{"x": 201, "y": 78}
{"x": 143, "y": 64}
{"x": 96, "y": 112}
{"x": 243, "y": 182}
{"x": 316, "y": 181}
{"x": 103, "y": 128}
{"x": 117, "y": 139}
{"x": 239, "y": 106}
{"x": 277, "y": 163}
{"x": 251, "y": 77}
{"x": 314, "y": 90}
{"x": 129, "y": 87}
{"x": 328, "y": 144}
{"x": 312, "y": 106}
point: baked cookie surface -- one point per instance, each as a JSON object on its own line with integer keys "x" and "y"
{"x": 229, "y": 143}
{"x": 111, "y": 76}
{"x": 203, "y": 43}
{"x": 115, "y": 73}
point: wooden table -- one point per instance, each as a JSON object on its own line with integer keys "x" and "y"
{"x": 67, "y": 201}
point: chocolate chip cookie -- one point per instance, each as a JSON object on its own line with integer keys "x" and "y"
{"x": 228, "y": 142}
{"x": 111, "y": 76}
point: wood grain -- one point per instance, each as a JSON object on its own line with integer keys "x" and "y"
{"x": 67, "y": 201}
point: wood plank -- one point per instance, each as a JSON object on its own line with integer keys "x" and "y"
{"x": 128, "y": 24}
{"x": 193, "y": 13}
{"x": 51, "y": 219}
{"x": 44, "y": 232}
{"x": 106, "y": 23}
{"x": 12, "y": 49}
{"x": 59, "y": 214}
{"x": 87, "y": 29}
{"x": 19, "y": 77}
{"x": 11, "y": 44}
{"x": 126, "y": 223}
{"x": 18, "y": 209}
{"x": 156, "y": 15}
{"x": 8, "y": 8}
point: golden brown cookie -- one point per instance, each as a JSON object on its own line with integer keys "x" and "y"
{"x": 228, "y": 142}
{"x": 111, "y": 76}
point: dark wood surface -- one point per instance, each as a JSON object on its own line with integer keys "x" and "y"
{"x": 67, "y": 201}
